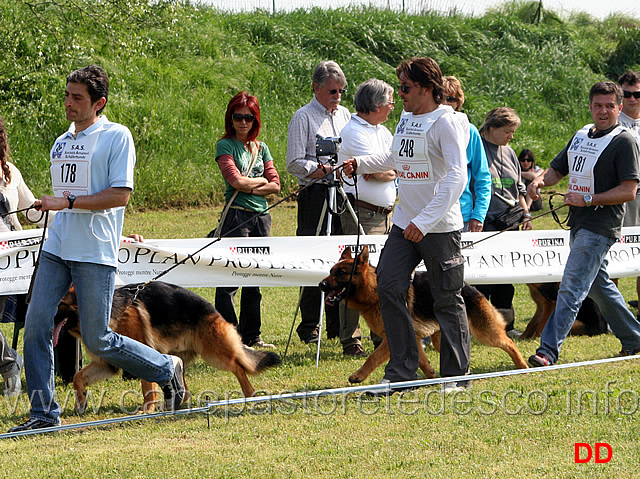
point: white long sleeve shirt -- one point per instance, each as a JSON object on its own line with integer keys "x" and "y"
{"x": 429, "y": 152}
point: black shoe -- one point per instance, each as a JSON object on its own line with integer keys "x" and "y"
{"x": 312, "y": 338}
{"x": 355, "y": 351}
{"x": 633, "y": 303}
{"x": 175, "y": 391}
{"x": 260, "y": 343}
{"x": 33, "y": 423}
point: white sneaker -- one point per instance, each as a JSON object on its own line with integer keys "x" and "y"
{"x": 452, "y": 387}
{"x": 12, "y": 384}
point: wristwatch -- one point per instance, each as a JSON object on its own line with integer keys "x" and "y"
{"x": 71, "y": 199}
{"x": 587, "y": 200}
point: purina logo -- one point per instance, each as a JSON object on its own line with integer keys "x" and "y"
{"x": 262, "y": 250}
{"x": 21, "y": 243}
{"x": 406, "y": 167}
{"x": 547, "y": 242}
{"x": 372, "y": 248}
{"x": 630, "y": 239}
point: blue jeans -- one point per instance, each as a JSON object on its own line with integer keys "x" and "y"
{"x": 585, "y": 274}
{"x": 94, "y": 285}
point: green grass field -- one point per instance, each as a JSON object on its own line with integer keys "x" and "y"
{"x": 517, "y": 426}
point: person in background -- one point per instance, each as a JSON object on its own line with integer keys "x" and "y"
{"x": 529, "y": 170}
{"x": 14, "y": 195}
{"x": 323, "y": 116}
{"x": 602, "y": 163}
{"x": 249, "y": 175}
{"x": 365, "y": 134}
{"x": 507, "y": 191}
{"x": 630, "y": 118}
{"x": 475, "y": 199}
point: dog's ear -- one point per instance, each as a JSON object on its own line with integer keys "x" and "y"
{"x": 363, "y": 257}
{"x": 346, "y": 254}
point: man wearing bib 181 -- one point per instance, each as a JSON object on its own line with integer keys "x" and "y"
{"x": 92, "y": 178}
{"x": 429, "y": 153}
{"x": 602, "y": 163}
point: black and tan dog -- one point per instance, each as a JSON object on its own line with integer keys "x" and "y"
{"x": 589, "y": 321}
{"x": 486, "y": 324}
{"x": 172, "y": 320}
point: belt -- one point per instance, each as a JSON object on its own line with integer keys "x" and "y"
{"x": 369, "y": 206}
{"x": 235, "y": 207}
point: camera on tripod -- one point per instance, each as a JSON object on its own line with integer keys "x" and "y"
{"x": 327, "y": 146}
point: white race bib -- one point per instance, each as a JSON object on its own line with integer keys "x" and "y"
{"x": 409, "y": 148}
{"x": 583, "y": 155}
{"x": 71, "y": 166}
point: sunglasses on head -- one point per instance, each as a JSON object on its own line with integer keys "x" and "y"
{"x": 337, "y": 90}
{"x": 629, "y": 94}
{"x": 239, "y": 117}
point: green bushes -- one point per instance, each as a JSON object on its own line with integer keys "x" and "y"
{"x": 173, "y": 67}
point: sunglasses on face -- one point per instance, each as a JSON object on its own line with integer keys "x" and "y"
{"x": 239, "y": 117}
{"x": 629, "y": 94}
{"x": 452, "y": 99}
{"x": 405, "y": 88}
{"x": 337, "y": 90}
{"x": 525, "y": 159}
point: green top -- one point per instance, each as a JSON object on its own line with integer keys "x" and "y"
{"x": 242, "y": 158}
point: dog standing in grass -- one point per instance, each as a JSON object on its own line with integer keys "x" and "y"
{"x": 171, "y": 320}
{"x": 485, "y": 322}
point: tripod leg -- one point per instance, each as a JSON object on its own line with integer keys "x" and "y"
{"x": 295, "y": 315}
{"x": 351, "y": 211}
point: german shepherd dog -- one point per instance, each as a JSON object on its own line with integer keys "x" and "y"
{"x": 172, "y": 320}
{"x": 589, "y": 321}
{"x": 486, "y": 324}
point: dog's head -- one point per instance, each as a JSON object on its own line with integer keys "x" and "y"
{"x": 66, "y": 319}
{"x": 346, "y": 276}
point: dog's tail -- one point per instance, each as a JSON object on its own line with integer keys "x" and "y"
{"x": 255, "y": 362}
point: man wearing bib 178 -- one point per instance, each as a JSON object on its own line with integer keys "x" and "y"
{"x": 602, "y": 163}
{"x": 92, "y": 178}
{"x": 429, "y": 153}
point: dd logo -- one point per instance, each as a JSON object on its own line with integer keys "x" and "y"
{"x": 589, "y": 452}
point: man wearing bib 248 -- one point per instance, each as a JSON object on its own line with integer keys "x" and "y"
{"x": 429, "y": 153}
{"x": 92, "y": 179}
{"x": 602, "y": 163}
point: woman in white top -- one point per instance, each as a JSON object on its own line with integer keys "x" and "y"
{"x": 14, "y": 195}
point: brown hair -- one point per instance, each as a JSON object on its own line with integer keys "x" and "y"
{"x": 5, "y": 153}
{"x": 425, "y": 72}
{"x": 453, "y": 87}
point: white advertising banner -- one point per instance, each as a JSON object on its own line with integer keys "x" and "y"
{"x": 511, "y": 257}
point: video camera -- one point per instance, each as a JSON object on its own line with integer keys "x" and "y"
{"x": 327, "y": 146}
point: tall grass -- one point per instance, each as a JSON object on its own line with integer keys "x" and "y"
{"x": 174, "y": 65}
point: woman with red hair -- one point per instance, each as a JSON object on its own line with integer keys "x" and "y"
{"x": 249, "y": 174}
